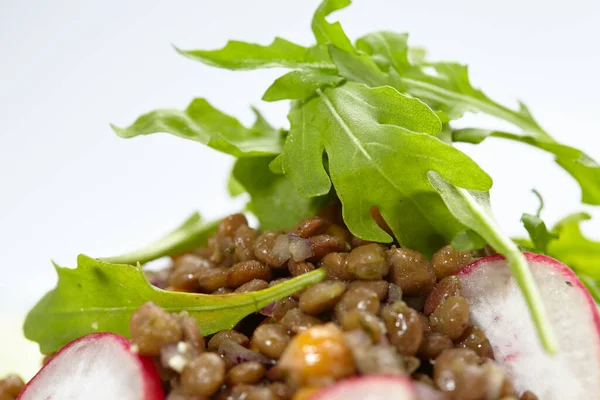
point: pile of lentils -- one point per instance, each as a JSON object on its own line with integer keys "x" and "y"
{"x": 382, "y": 309}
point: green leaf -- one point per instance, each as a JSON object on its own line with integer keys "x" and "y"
{"x": 578, "y": 164}
{"x": 327, "y": 33}
{"x": 234, "y": 187}
{"x": 473, "y": 210}
{"x": 380, "y": 145}
{"x": 573, "y": 248}
{"x": 280, "y": 53}
{"x": 274, "y": 200}
{"x": 539, "y": 234}
{"x": 468, "y": 240}
{"x": 387, "y": 49}
{"x": 362, "y": 69}
{"x": 450, "y": 90}
{"x": 203, "y": 123}
{"x": 100, "y": 297}
{"x": 300, "y": 84}
{"x": 191, "y": 234}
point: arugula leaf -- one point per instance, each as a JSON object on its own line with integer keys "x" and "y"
{"x": 468, "y": 240}
{"x": 280, "y": 53}
{"x": 380, "y": 145}
{"x": 388, "y": 49}
{"x": 275, "y": 201}
{"x": 234, "y": 187}
{"x": 539, "y": 234}
{"x": 578, "y": 164}
{"x": 327, "y": 33}
{"x": 100, "y": 297}
{"x": 362, "y": 69}
{"x": 203, "y": 123}
{"x": 300, "y": 84}
{"x": 473, "y": 210}
{"x": 573, "y": 248}
{"x": 191, "y": 234}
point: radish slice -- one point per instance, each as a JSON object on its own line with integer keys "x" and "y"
{"x": 497, "y": 307}
{"x": 370, "y": 387}
{"x": 98, "y": 366}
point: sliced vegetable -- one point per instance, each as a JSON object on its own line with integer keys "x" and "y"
{"x": 192, "y": 233}
{"x": 380, "y": 387}
{"x": 100, "y": 297}
{"x": 98, "y": 366}
{"x": 498, "y": 308}
{"x": 473, "y": 209}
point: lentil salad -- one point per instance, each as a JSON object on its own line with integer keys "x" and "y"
{"x": 368, "y": 217}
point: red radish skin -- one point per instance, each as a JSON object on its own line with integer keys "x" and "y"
{"x": 370, "y": 387}
{"x": 497, "y": 307}
{"x": 98, "y": 366}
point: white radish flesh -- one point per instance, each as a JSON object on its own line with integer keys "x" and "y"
{"x": 98, "y": 366}
{"x": 497, "y": 307}
{"x": 370, "y": 387}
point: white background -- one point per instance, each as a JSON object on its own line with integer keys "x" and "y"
{"x": 68, "y": 185}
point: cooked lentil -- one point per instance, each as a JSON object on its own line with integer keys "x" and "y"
{"x": 381, "y": 309}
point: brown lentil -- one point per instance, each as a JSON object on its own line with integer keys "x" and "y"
{"x": 11, "y": 386}
{"x": 311, "y": 226}
{"x": 473, "y": 338}
{"x": 263, "y": 247}
{"x": 229, "y": 225}
{"x": 447, "y": 287}
{"x": 185, "y": 272}
{"x": 433, "y": 344}
{"x": 234, "y": 336}
{"x": 253, "y": 286}
{"x": 368, "y": 262}
{"x": 457, "y": 372}
{"x": 371, "y": 324}
{"x": 410, "y": 270}
{"x": 151, "y": 327}
{"x": 448, "y": 261}
{"x": 404, "y": 327}
{"x": 380, "y": 287}
{"x": 176, "y": 394}
{"x": 451, "y": 317}
{"x": 528, "y": 396}
{"x": 245, "y": 271}
{"x": 243, "y": 240}
{"x": 280, "y": 390}
{"x": 335, "y": 266}
{"x": 296, "y": 321}
{"x": 191, "y": 331}
{"x": 249, "y": 372}
{"x": 271, "y": 340}
{"x": 325, "y": 244}
{"x": 297, "y": 268}
{"x": 204, "y": 375}
{"x": 360, "y": 298}
{"x": 212, "y": 279}
{"x": 283, "y": 306}
{"x": 321, "y": 297}
{"x": 339, "y": 232}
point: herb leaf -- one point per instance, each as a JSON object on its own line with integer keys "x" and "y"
{"x": 274, "y": 200}
{"x": 327, "y": 33}
{"x": 380, "y": 145}
{"x": 203, "y": 123}
{"x": 578, "y": 164}
{"x": 280, "y": 53}
{"x": 361, "y": 68}
{"x": 388, "y": 49}
{"x": 192, "y": 233}
{"x": 539, "y": 234}
{"x": 300, "y": 84}
{"x": 473, "y": 209}
{"x": 573, "y": 248}
{"x": 100, "y": 297}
